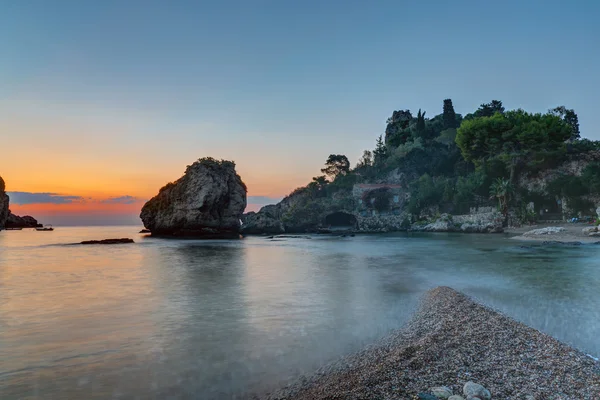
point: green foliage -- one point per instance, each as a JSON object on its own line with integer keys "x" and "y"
{"x": 365, "y": 161}
{"x": 447, "y": 137}
{"x": 378, "y": 199}
{"x": 583, "y": 146}
{"x": 420, "y": 128}
{"x": 502, "y": 190}
{"x": 426, "y": 192}
{"x": 526, "y": 215}
{"x": 570, "y": 118}
{"x": 591, "y": 178}
{"x": 336, "y": 164}
{"x": 449, "y": 116}
{"x": 342, "y": 183}
{"x": 380, "y": 153}
{"x": 481, "y": 138}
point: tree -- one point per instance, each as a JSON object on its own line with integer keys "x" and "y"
{"x": 570, "y": 117}
{"x": 366, "y": 160}
{"x": 318, "y": 185}
{"x": 421, "y": 131}
{"x": 336, "y": 164}
{"x": 380, "y": 152}
{"x": 489, "y": 109}
{"x": 502, "y": 190}
{"x": 449, "y": 116}
{"x": 481, "y": 138}
{"x": 2, "y": 185}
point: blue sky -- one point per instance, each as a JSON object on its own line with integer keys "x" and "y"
{"x": 150, "y": 86}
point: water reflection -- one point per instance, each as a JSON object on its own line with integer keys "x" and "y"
{"x": 212, "y": 320}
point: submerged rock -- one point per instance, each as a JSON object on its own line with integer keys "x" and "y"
{"x": 108, "y": 241}
{"x": 208, "y": 201}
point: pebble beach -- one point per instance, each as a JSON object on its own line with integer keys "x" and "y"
{"x": 450, "y": 341}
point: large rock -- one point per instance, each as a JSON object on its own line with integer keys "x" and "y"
{"x": 14, "y": 221}
{"x": 208, "y": 201}
{"x": 264, "y": 221}
{"x": 3, "y": 204}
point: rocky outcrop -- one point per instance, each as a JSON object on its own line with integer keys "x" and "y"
{"x": 207, "y": 201}
{"x": 14, "y": 221}
{"x": 477, "y": 223}
{"x": 108, "y": 241}
{"x": 4, "y": 212}
{"x": 264, "y": 221}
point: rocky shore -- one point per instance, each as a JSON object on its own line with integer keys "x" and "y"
{"x": 451, "y": 341}
{"x": 567, "y": 233}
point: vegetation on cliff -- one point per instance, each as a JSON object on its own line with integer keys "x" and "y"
{"x": 451, "y": 163}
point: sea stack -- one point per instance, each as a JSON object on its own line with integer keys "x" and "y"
{"x": 207, "y": 202}
{"x": 3, "y": 204}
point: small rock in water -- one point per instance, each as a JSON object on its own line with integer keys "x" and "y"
{"x": 441, "y": 392}
{"x": 474, "y": 390}
{"x": 108, "y": 241}
{"x": 456, "y": 397}
{"x": 426, "y": 396}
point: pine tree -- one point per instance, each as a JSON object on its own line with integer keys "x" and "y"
{"x": 380, "y": 152}
{"x": 449, "y": 116}
{"x": 421, "y": 124}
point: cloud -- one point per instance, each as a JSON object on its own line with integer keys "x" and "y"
{"x": 121, "y": 200}
{"x": 42, "y": 198}
{"x": 263, "y": 200}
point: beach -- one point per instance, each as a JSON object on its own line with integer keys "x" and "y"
{"x": 570, "y": 233}
{"x": 452, "y": 340}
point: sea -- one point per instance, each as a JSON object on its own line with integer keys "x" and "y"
{"x": 179, "y": 319}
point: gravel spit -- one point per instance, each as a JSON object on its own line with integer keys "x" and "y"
{"x": 451, "y": 340}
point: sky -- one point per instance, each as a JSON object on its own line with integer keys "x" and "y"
{"x": 103, "y": 102}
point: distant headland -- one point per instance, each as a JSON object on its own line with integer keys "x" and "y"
{"x": 480, "y": 172}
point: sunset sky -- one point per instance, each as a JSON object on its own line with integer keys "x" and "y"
{"x": 103, "y": 102}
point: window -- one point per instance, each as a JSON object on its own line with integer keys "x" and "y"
{"x": 396, "y": 199}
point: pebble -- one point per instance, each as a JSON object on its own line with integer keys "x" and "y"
{"x": 426, "y": 396}
{"x": 475, "y": 391}
{"x": 456, "y": 397}
{"x": 441, "y": 392}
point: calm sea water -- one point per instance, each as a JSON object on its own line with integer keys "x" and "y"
{"x": 216, "y": 319}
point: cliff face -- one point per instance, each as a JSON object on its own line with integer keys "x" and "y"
{"x": 208, "y": 201}
{"x": 3, "y": 209}
{"x": 4, "y": 199}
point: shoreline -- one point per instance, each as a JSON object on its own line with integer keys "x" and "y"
{"x": 450, "y": 340}
{"x": 572, "y": 234}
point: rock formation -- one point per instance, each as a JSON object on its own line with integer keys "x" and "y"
{"x": 3, "y": 204}
{"x": 265, "y": 221}
{"x": 207, "y": 201}
{"x": 14, "y": 221}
